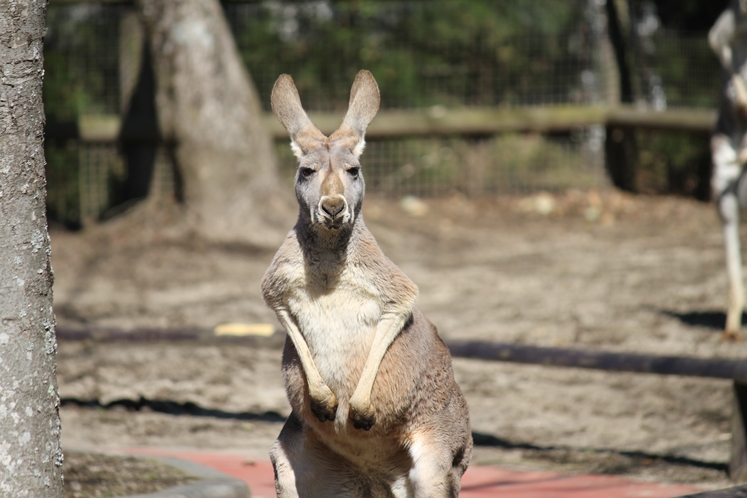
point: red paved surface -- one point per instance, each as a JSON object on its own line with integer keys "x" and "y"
{"x": 481, "y": 482}
{"x": 478, "y": 482}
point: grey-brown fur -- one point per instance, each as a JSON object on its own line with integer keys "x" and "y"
{"x": 376, "y": 409}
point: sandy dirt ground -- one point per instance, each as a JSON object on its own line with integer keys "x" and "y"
{"x": 597, "y": 271}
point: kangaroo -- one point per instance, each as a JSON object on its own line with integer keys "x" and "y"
{"x": 376, "y": 411}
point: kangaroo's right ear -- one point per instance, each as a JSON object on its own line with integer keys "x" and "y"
{"x": 363, "y": 106}
{"x": 286, "y": 104}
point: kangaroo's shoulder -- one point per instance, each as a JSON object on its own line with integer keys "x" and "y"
{"x": 286, "y": 265}
{"x": 393, "y": 284}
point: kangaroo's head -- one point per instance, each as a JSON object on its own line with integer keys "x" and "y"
{"x": 329, "y": 182}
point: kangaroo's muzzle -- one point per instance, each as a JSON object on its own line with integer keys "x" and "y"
{"x": 333, "y": 211}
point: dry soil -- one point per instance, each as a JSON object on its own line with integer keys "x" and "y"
{"x": 580, "y": 269}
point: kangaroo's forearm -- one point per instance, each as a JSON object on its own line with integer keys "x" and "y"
{"x": 387, "y": 330}
{"x": 304, "y": 354}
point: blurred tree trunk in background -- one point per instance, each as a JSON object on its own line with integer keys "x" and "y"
{"x": 139, "y": 117}
{"x": 621, "y": 152}
{"x": 30, "y": 454}
{"x": 209, "y": 109}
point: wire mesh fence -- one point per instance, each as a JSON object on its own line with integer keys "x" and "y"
{"x": 502, "y": 164}
{"x": 681, "y": 70}
{"x": 423, "y": 54}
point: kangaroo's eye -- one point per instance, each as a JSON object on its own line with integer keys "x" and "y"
{"x": 353, "y": 172}
{"x": 307, "y": 172}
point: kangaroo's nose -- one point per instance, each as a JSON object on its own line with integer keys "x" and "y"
{"x": 333, "y": 206}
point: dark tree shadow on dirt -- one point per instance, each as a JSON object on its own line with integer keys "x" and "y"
{"x": 709, "y": 319}
{"x": 173, "y": 408}
{"x": 485, "y": 440}
{"x": 635, "y": 457}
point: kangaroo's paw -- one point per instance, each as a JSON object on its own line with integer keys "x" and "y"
{"x": 324, "y": 404}
{"x": 731, "y": 336}
{"x": 362, "y": 415}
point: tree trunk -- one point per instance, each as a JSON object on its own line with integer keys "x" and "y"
{"x": 30, "y": 454}
{"x": 621, "y": 152}
{"x": 208, "y": 108}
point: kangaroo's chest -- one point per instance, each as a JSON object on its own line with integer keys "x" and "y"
{"x": 337, "y": 317}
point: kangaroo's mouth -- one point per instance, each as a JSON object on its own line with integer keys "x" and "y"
{"x": 335, "y": 223}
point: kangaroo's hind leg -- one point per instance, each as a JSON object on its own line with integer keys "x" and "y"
{"x": 306, "y": 468}
{"x": 437, "y": 466}
{"x": 285, "y": 458}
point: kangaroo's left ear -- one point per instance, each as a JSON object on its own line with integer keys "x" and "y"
{"x": 363, "y": 106}
{"x": 286, "y": 104}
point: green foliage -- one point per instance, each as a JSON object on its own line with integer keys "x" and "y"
{"x": 670, "y": 162}
{"x": 81, "y": 60}
{"x": 64, "y": 97}
{"x": 421, "y": 53}
{"x": 63, "y": 195}
{"x": 689, "y": 71}
{"x": 81, "y": 72}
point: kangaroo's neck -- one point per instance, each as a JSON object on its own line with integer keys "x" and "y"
{"x": 326, "y": 246}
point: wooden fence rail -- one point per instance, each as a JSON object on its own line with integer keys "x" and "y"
{"x": 436, "y": 121}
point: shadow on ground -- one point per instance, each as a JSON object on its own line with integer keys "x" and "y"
{"x": 709, "y": 319}
{"x": 480, "y": 439}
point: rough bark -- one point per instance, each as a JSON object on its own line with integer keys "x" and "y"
{"x": 30, "y": 454}
{"x": 208, "y": 107}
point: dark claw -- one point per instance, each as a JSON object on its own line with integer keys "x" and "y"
{"x": 363, "y": 422}
{"x": 323, "y": 411}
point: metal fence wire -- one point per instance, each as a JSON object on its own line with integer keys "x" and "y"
{"x": 422, "y": 54}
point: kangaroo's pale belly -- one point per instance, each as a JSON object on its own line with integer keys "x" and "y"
{"x": 339, "y": 328}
